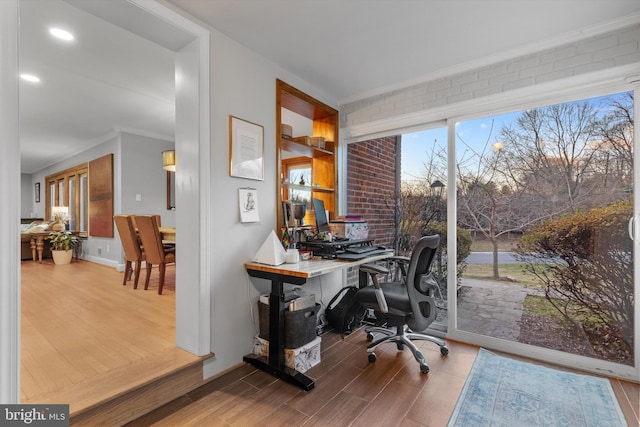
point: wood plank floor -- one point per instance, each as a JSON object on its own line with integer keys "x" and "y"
{"x": 81, "y": 330}
{"x": 349, "y": 391}
{"x": 85, "y": 337}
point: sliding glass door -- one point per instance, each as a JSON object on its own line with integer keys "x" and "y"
{"x": 547, "y": 195}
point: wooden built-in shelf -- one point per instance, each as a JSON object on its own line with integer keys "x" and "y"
{"x": 307, "y": 187}
{"x": 303, "y": 149}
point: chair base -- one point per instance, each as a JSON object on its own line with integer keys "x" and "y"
{"x": 403, "y": 337}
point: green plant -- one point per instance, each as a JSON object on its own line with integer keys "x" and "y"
{"x": 589, "y": 273}
{"x": 62, "y": 240}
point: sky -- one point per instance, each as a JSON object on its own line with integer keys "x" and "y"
{"x": 473, "y": 136}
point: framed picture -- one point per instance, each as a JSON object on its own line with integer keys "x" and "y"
{"x": 37, "y": 192}
{"x": 246, "y": 149}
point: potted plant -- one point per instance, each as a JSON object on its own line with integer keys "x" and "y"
{"x": 62, "y": 244}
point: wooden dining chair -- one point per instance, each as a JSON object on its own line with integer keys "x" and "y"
{"x": 155, "y": 252}
{"x": 133, "y": 253}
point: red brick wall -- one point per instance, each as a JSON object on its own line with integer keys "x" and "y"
{"x": 372, "y": 186}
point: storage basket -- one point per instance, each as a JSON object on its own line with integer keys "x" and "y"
{"x": 299, "y": 325}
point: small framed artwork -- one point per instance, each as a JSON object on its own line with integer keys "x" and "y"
{"x": 246, "y": 149}
{"x": 37, "y": 192}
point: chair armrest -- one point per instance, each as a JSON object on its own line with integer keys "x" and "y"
{"x": 401, "y": 263}
{"x": 373, "y": 271}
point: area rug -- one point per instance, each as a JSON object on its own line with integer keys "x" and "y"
{"x": 505, "y": 392}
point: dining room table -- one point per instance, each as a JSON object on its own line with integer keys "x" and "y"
{"x": 168, "y": 234}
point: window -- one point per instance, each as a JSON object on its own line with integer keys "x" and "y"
{"x": 547, "y": 193}
{"x": 75, "y": 197}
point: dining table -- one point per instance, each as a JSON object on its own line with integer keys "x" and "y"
{"x": 168, "y": 234}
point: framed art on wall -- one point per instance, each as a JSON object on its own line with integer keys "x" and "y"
{"x": 37, "y": 192}
{"x": 246, "y": 149}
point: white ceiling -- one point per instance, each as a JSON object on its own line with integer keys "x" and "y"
{"x": 110, "y": 78}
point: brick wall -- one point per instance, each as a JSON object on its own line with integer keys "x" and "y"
{"x": 618, "y": 48}
{"x": 372, "y": 185}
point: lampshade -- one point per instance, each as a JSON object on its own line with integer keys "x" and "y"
{"x": 169, "y": 160}
{"x": 60, "y": 211}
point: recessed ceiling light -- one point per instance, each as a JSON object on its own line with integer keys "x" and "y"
{"x": 30, "y": 78}
{"x": 61, "y": 34}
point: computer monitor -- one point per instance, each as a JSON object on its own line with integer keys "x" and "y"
{"x": 322, "y": 223}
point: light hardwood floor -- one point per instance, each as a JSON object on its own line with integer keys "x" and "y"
{"x": 80, "y": 326}
{"x": 85, "y": 337}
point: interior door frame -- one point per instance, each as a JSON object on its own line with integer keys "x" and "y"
{"x": 192, "y": 146}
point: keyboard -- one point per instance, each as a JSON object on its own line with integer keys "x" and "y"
{"x": 360, "y": 249}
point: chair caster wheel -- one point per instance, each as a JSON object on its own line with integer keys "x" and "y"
{"x": 372, "y": 357}
{"x": 400, "y": 346}
{"x": 369, "y": 336}
{"x": 424, "y": 369}
{"x": 444, "y": 351}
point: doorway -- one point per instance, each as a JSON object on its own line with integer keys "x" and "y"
{"x": 192, "y": 140}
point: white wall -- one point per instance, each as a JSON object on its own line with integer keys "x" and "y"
{"x": 242, "y": 85}
{"x": 27, "y": 196}
{"x": 142, "y": 174}
{"x": 606, "y": 51}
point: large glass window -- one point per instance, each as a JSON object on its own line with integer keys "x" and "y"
{"x": 75, "y": 197}
{"x": 546, "y": 195}
{"x": 422, "y": 202}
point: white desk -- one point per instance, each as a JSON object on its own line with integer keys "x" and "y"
{"x": 295, "y": 274}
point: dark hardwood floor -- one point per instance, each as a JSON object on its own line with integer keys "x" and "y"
{"x": 349, "y": 391}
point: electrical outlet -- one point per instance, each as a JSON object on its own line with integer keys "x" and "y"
{"x": 99, "y": 251}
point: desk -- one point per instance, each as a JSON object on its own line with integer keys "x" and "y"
{"x": 295, "y": 274}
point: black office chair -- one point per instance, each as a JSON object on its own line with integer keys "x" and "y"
{"x": 409, "y": 306}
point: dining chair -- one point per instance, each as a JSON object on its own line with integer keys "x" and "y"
{"x": 155, "y": 252}
{"x": 133, "y": 253}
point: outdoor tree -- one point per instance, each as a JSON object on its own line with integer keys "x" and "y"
{"x": 416, "y": 207}
{"x": 615, "y": 146}
{"x": 585, "y": 262}
{"x": 549, "y": 151}
{"x": 489, "y": 202}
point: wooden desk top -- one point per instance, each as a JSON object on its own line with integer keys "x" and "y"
{"x": 314, "y": 267}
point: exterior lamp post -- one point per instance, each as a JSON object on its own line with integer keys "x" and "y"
{"x": 437, "y": 188}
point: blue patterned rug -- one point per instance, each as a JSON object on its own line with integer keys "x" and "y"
{"x": 505, "y": 392}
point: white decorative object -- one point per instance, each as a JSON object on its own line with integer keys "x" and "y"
{"x": 293, "y": 256}
{"x": 271, "y": 252}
